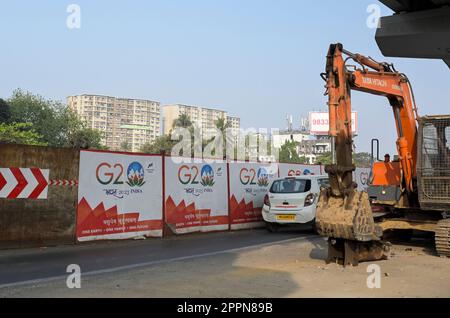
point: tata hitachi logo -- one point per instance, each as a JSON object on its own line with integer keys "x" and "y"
{"x": 374, "y": 82}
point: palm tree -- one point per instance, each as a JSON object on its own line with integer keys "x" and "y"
{"x": 183, "y": 121}
{"x": 222, "y": 124}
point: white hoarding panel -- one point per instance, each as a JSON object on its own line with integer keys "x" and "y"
{"x": 362, "y": 178}
{"x": 249, "y": 183}
{"x": 120, "y": 196}
{"x": 196, "y": 196}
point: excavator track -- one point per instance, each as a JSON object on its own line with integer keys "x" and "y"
{"x": 443, "y": 238}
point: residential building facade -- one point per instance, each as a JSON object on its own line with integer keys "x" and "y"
{"x": 281, "y": 137}
{"x": 308, "y": 146}
{"x": 204, "y": 118}
{"x": 312, "y": 149}
{"x": 235, "y": 124}
{"x": 126, "y": 124}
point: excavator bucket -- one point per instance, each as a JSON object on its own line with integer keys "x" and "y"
{"x": 350, "y": 226}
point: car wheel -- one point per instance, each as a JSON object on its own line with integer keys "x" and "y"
{"x": 272, "y": 227}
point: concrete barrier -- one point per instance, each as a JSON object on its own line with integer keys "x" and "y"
{"x": 27, "y": 222}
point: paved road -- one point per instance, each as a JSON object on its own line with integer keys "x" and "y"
{"x": 21, "y": 267}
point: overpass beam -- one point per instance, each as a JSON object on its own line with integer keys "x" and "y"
{"x": 422, "y": 34}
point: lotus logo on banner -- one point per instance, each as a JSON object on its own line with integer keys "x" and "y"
{"x": 207, "y": 176}
{"x": 135, "y": 175}
{"x": 263, "y": 177}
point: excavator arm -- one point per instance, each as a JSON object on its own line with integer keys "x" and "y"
{"x": 396, "y": 88}
{"x": 344, "y": 214}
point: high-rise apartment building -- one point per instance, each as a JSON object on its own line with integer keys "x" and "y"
{"x": 126, "y": 124}
{"x": 235, "y": 124}
{"x": 204, "y": 118}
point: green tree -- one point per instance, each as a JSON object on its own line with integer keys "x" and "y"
{"x": 362, "y": 159}
{"x": 5, "y": 112}
{"x": 289, "y": 154}
{"x": 183, "y": 121}
{"x": 161, "y": 144}
{"x": 46, "y": 116}
{"x": 85, "y": 138}
{"x": 125, "y": 146}
{"x": 55, "y": 124}
{"x": 20, "y": 133}
{"x": 324, "y": 159}
{"x": 222, "y": 124}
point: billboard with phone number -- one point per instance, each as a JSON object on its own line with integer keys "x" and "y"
{"x": 320, "y": 123}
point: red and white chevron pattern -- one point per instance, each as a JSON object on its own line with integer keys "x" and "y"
{"x": 64, "y": 183}
{"x": 24, "y": 183}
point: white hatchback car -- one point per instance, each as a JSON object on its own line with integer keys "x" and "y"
{"x": 293, "y": 200}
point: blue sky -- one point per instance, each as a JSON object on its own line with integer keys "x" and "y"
{"x": 257, "y": 59}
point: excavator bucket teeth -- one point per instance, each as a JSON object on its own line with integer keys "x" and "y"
{"x": 351, "y": 253}
{"x": 348, "y": 218}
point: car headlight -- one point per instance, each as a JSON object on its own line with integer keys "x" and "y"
{"x": 267, "y": 200}
{"x": 310, "y": 199}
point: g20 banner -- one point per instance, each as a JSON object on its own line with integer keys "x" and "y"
{"x": 249, "y": 183}
{"x": 120, "y": 196}
{"x": 196, "y": 196}
{"x": 362, "y": 178}
{"x": 297, "y": 170}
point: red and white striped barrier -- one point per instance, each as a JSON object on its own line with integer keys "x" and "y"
{"x": 24, "y": 183}
{"x": 64, "y": 183}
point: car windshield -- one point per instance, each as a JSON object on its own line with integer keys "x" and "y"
{"x": 291, "y": 186}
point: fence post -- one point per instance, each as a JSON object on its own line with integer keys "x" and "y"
{"x": 163, "y": 158}
{"x": 228, "y": 196}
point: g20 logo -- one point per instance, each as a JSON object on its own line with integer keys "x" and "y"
{"x": 194, "y": 176}
{"x": 294, "y": 173}
{"x": 298, "y": 173}
{"x": 253, "y": 177}
{"x": 107, "y": 174}
{"x": 247, "y": 176}
{"x": 364, "y": 177}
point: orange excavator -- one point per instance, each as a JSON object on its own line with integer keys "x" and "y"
{"x": 413, "y": 191}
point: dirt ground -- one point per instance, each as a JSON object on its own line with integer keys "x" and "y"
{"x": 293, "y": 269}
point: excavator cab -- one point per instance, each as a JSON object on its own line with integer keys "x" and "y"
{"x": 433, "y": 171}
{"x": 385, "y": 179}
